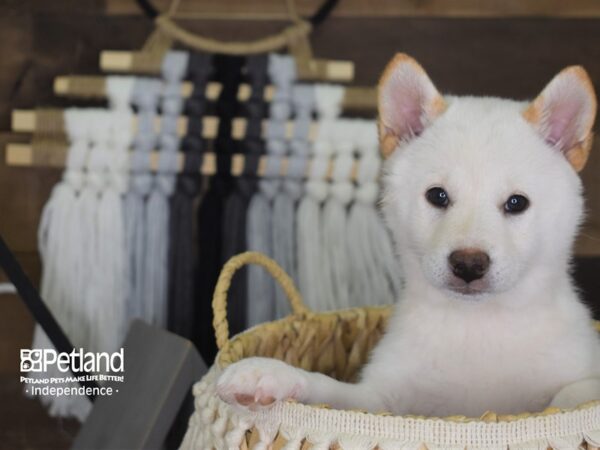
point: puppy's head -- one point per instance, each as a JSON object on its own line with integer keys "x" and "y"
{"x": 480, "y": 192}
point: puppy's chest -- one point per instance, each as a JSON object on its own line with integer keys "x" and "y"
{"x": 477, "y": 337}
{"x": 485, "y": 349}
{"x": 482, "y": 361}
{"x": 468, "y": 366}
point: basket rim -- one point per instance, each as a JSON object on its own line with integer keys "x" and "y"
{"x": 564, "y": 429}
{"x": 489, "y": 417}
{"x": 583, "y": 421}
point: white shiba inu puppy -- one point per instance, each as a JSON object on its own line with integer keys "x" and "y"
{"x": 484, "y": 201}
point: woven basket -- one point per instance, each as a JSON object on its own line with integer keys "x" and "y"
{"x": 337, "y": 344}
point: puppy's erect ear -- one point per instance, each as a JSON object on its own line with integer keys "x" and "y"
{"x": 407, "y": 100}
{"x": 563, "y": 114}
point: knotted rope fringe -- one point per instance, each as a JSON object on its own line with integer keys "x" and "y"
{"x": 174, "y": 68}
{"x": 85, "y": 262}
{"x": 110, "y": 270}
{"x": 259, "y": 227}
{"x": 286, "y": 199}
{"x": 88, "y": 210}
{"x": 314, "y": 280}
{"x": 210, "y": 214}
{"x": 245, "y": 186}
{"x": 145, "y": 98}
{"x": 62, "y": 245}
{"x": 375, "y": 271}
{"x": 335, "y": 236}
{"x": 182, "y": 252}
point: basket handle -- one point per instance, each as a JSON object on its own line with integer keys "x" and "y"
{"x": 219, "y": 302}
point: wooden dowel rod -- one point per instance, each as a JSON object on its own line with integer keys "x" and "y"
{"x": 125, "y": 61}
{"x": 23, "y": 120}
{"x": 29, "y": 121}
{"x": 355, "y": 98}
{"x": 93, "y": 86}
{"x": 19, "y": 155}
{"x": 55, "y": 155}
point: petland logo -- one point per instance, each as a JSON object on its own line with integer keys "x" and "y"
{"x": 38, "y": 360}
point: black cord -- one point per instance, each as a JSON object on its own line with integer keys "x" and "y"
{"x": 148, "y": 9}
{"x": 316, "y": 19}
{"x": 322, "y": 13}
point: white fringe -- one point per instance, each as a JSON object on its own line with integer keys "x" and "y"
{"x": 314, "y": 280}
{"x": 155, "y": 278}
{"x": 62, "y": 245}
{"x": 145, "y": 97}
{"x": 286, "y": 199}
{"x": 263, "y": 294}
{"x": 81, "y": 238}
{"x": 375, "y": 272}
{"x": 334, "y": 220}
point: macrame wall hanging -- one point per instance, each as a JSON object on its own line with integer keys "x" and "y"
{"x": 197, "y": 157}
{"x": 61, "y": 244}
{"x": 286, "y": 199}
{"x": 315, "y": 284}
{"x": 335, "y": 237}
{"x": 181, "y": 296}
{"x": 259, "y": 227}
{"x": 228, "y": 70}
{"x": 157, "y": 213}
{"x": 238, "y": 202}
{"x": 82, "y": 237}
{"x": 146, "y": 96}
{"x": 108, "y": 288}
{"x": 375, "y": 276}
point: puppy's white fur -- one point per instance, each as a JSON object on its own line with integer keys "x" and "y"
{"x": 524, "y": 335}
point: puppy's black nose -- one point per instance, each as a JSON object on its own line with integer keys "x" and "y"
{"x": 469, "y": 264}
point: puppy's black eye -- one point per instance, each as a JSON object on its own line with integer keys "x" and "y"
{"x": 437, "y": 197}
{"x": 516, "y": 204}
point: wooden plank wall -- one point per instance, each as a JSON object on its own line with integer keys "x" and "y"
{"x": 277, "y": 9}
{"x": 508, "y": 56}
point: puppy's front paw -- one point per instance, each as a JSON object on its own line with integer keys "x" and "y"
{"x": 260, "y": 382}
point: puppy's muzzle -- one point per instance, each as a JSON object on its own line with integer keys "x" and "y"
{"x": 469, "y": 264}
